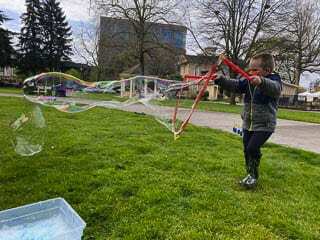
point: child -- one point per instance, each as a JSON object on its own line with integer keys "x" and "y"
{"x": 259, "y": 111}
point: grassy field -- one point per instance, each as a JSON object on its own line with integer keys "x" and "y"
{"x": 312, "y": 117}
{"x": 104, "y": 97}
{"x": 10, "y": 90}
{"x": 128, "y": 179}
{"x": 91, "y": 96}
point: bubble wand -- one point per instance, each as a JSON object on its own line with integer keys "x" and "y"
{"x": 211, "y": 76}
{"x": 224, "y": 60}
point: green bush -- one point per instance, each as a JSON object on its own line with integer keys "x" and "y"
{"x": 95, "y": 75}
{"x": 74, "y": 72}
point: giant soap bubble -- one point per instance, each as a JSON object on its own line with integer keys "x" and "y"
{"x": 151, "y": 95}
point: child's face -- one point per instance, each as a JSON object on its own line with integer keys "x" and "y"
{"x": 255, "y": 66}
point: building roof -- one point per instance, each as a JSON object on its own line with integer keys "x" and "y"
{"x": 299, "y": 88}
{"x": 315, "y": 94}
{"x": 172, "y": 26}
{"x": 290, "y": 84}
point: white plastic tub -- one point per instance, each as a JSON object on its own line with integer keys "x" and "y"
{"x": 48, "y": 220}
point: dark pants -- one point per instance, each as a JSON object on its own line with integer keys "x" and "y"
{"x": 252, "y": 142}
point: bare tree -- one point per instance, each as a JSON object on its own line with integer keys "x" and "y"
{"x": 86, "y": 47}
{"x": 140, "y": 14}
{"x": 297, "y": 47}
{"x": 304, "y": 34}
{"x": 234, "y": 26}
{"x": 96, "y": 52}
{"x": 282, "y": 50}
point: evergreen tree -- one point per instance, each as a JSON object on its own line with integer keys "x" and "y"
{"x": 57, "y": 35}
{"x": 30, "y": 41}
{"x": 6, "y": 49}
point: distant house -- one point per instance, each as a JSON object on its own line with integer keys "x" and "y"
{"x": 289, "y": 89}
{"x": 193, "y": 66}
{"x": 7, "y": 74}
{"x": 315, "y": 86}
{"x": 309, "y": 101}
{"x": 196, "y": 65}
{"x": 289, "y": 94}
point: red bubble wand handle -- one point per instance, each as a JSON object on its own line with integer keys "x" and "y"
{"x": 223, "y": 59}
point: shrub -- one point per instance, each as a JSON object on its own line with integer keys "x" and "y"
{"x": 74, "y": 72}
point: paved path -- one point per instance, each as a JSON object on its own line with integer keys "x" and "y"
{"x": 290, "y": 133}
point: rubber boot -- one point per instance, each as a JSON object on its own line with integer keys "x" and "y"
{"x": 251, "y": 181}
{"x": 254, "y": 170}
{"x": 247, "y": 163}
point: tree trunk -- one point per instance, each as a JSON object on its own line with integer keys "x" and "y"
{"x": 233, "y": 95}
{"x": 298, "y": 67}
{"x": 141, "y": 38}
{"x": 297, "y": 75}
{"x": 141, "y": 60}
{"x": 98, "y": 75}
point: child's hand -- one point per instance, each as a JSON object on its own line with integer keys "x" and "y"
{"x": 219, "y": 77}
{"x": 256, "y": 80}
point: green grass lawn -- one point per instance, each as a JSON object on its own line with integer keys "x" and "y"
{"x": 91, "y": 96}
{"x": 104, "y": 97}
{"x": 312, "y": 117}
{"x": 10, "y": 90}
{"x": 128, "y": 179}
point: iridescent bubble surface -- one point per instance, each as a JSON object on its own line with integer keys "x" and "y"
{"x": 154, "y": 96}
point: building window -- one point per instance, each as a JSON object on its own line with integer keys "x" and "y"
{"x": 125, "y": 36}
{"x": 180, "y": 40}
{"x": 167, "y": 36}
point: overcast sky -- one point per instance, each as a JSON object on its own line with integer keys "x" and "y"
{"x": 76, "y": 10}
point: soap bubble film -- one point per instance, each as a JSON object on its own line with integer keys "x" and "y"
{"x": 141, "y": 94}
{"x": 28, "y": 132}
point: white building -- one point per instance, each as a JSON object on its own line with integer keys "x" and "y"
{"x": 7, "y": 73}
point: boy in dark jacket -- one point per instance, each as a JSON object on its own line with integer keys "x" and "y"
{"x": 259, "y": 111}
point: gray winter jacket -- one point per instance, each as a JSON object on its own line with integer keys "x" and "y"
{"x": 260, "y": 102}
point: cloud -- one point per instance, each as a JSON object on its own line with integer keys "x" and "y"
{"x": 75, "y": 10}
{"x": 14, "y": 23}
{"x": 13, "y": 5}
